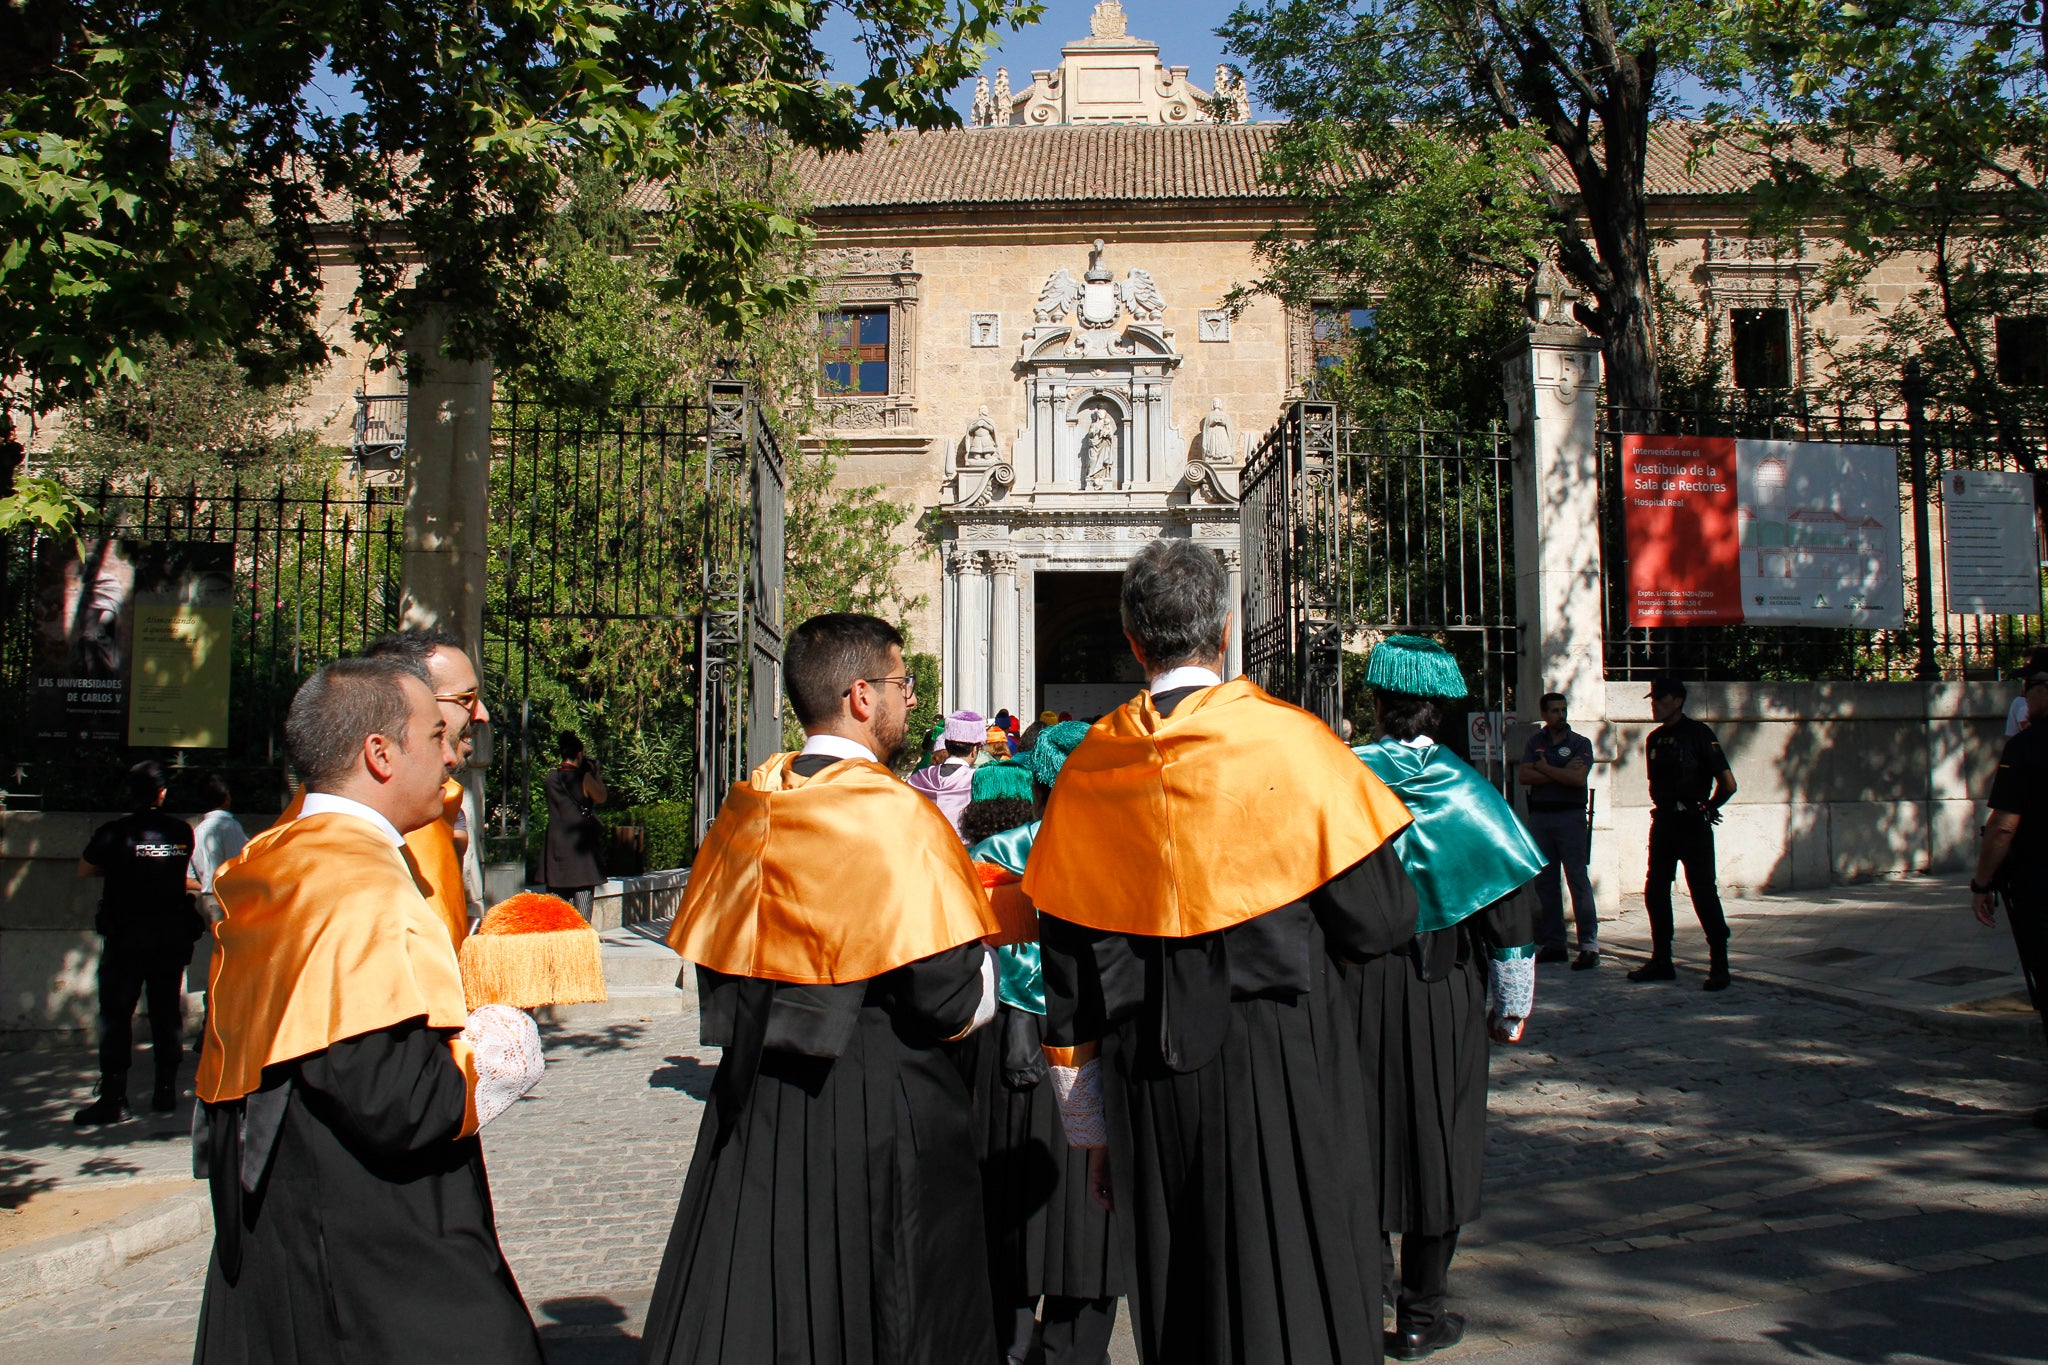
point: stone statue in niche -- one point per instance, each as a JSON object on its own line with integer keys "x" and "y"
{"x": 1216, "y": 435}
{"x": 981, "y": 439}
{"x": 1098, "y": 451}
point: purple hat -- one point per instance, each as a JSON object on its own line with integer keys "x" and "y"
{"x": 967, "y": 727}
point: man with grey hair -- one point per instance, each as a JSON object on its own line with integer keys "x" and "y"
{"x": 344, "y": 1078}
{"x": 1207, "y": 858}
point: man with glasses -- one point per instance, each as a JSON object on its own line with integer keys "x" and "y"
{"x": 438, "y": 848}
{"x": 833, "y": 1206}
{"x": 2012, "y": 860}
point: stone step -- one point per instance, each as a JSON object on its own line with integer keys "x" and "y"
{"x": 640, "y": 976}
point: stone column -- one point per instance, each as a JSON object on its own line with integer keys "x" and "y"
{"x": 1003, "y": 632}
{"x": 971, "y": 681}
{"x": 1552, "y": 376}
{"x": 949, "y": 630}
{"x": 1233, "y": 664}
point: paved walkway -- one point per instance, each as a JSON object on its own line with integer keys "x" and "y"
{"x": 1772, "y": 1173}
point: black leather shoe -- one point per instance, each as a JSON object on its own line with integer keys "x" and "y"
{"x": 1447, "y": 1330}
{"x": 1654, "y": 970}
{"x": 1717, "y": 980}
{"x": 1555, "y": 953}
{"x": 164, "y": 1098}
{"x": 1588, "y": 957}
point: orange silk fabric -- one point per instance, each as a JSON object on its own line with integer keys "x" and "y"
{"x": 433, "y": 850}
{"x": 327, "y": 935}
{"x": 1015, "y": 913}
{"x": 1176, "y": 826}
{"x": 824, "y": 880}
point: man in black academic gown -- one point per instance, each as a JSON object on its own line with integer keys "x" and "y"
{"x": 1208, "y": 855}
{"x": 832, "y": 1211}
{"x": 343, "y": 1077}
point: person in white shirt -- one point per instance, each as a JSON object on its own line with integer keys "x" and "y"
{"x": 217, "y": 836}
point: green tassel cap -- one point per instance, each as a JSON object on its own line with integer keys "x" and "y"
{"x": 1416, "y": 666}
{"x": 999, "y": 781}
{"x": 1055, "y": 742}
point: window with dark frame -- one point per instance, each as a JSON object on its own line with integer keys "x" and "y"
{"x": 1332, "y": 329}
{"x": 2022, "y": 352}
{"x": 854, "y": 351}
{"x": 1762, "y": 347}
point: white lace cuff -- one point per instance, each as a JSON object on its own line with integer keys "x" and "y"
{"x": 1513, "y": 987}
{"x": 508, "y": 1057}
{"x": 1079, "y": 1092}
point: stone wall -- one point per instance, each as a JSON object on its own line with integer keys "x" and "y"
{"x": 1836, "y": 782}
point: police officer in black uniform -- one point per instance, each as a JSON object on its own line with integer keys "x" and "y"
{"x": 148, "y": 922}
{"x": 1689, "y": 783}
{"x": 2012, "y": 861}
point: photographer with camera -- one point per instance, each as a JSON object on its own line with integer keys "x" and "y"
{"x": 1689, "y": 783}
{"x": 569, "y": 853}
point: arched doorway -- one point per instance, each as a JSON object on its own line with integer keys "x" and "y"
{"x": 1084, "y": 664}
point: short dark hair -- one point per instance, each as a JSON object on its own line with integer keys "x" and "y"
{"x": 964, "y": 748}
{"x": 568, "y": 745}
{"x": 993, "y": 815}
{"x": 1404, "y": 715}
{"x": 339, "y": 707}
{"x": 145, "y": 783}
{"x": 217, "y": 794}
{"x": 414, "y": 645}
{"x": 1547, "y": 698}
{"x": 825, "y": 656}
{"x": 1175, "y": 601}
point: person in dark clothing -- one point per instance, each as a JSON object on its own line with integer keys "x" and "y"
{"x": 147, "y": 923}
{"x": 1690, "y": 781}
{"x": 2012, "y": 861}
{"x": 575, "y": 835}
{"x": 1554, "y": 767}
{"x": 1209, "y": 860}
{"x": 832, "y": 1210}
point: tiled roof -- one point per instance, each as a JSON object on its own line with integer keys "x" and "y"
{"x": 1078, "y": 163}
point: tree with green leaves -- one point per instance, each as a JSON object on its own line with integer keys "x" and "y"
{"x": 165, "y": 167}
{"x": 1533, "y": 117}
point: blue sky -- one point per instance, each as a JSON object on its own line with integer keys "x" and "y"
{"x": 1184, "y": 29}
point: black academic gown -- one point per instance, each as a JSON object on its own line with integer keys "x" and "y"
{"x": 832, "y": 1211}
{"x": 1422, "y": 1038}
{"x": 1237, "y": 1118}
{"x": 368, "y": 1237}
{"x": 1046, "y": 1233}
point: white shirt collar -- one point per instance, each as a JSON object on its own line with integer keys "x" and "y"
{"x": 838, "y": 746}
{"x": 324, "y": 803}
{"x": 1187, "y": 675}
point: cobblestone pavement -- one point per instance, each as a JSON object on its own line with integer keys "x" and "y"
{"x": 1672, "y": 1176}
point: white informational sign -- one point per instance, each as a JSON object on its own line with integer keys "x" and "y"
{"x": 1486, "y": 736}
{"x": 1987, "y": 528}
{"x": 1819, "y": 528}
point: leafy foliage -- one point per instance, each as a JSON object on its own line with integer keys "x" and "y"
{"x": 164, "y": 167}
{"x": 37, "y": 502}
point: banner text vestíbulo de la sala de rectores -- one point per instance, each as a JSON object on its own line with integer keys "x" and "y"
{"x": 1722, "y": 531}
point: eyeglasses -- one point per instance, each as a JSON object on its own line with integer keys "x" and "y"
{"x": 905, "y": 681}
{"x": 465, "y": 700}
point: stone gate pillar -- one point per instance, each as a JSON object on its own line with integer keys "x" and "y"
{"x": 1552, "y": 376}
{"x": 447, "y": 519}
{"x": 447, "y": 484}
{"x": 1233, "y": 663}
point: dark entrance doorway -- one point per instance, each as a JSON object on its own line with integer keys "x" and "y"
{"x": 1084, "y": 664}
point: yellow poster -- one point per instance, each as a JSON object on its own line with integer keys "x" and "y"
{"x": 178, "y": 675}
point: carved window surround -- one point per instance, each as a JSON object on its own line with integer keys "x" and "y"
{"x": 1750, "y": 272}
{"x": 859, "y": 276}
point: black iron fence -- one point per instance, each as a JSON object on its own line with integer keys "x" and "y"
{"x": 1353, "y": 532}
{"x": 1931, "y": 644}
{"x": 316, "y": 573}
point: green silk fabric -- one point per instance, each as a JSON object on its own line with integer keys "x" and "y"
{"x": 1020, "y": 982}
{"x": 1466, "y": 848}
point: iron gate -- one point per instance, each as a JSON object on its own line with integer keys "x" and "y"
{"x": 1351, "y": 533}
{"x": 646, "y": 541}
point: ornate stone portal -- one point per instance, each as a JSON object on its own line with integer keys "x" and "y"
{"x": 1099, "y": 468}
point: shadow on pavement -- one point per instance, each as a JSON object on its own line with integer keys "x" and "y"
{"x": 43, "y": 1089}
{"x": 686, "y": 1074}
{"x": 610, "y": 1038}
{"x": 587, "y": 1330}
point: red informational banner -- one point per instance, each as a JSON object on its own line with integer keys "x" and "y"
{"x": 1679, "y": 513}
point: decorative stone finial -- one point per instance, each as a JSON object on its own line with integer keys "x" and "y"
{"x": 980, "y": 114}
{"x": 999, "y": 103}
{"x": 1108, "y": 20}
